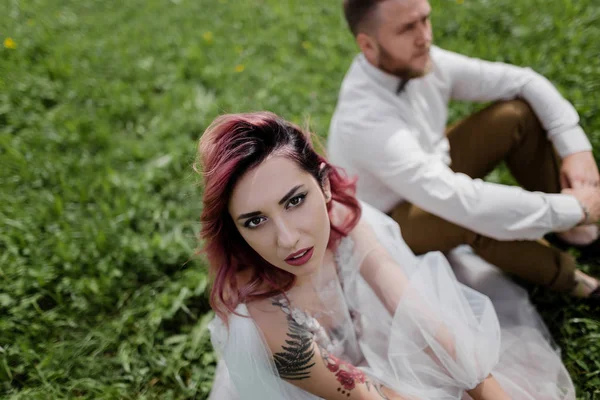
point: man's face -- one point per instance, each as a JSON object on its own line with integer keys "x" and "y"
{"x": 400, "y": 38}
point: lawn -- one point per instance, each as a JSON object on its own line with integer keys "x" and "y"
{"x": 101, "y": 104}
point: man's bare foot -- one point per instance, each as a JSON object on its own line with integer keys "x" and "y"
{"x": 580, "y": 235}
{"x": 585, "y": 284}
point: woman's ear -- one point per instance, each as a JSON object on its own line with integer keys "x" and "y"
{"x": 327, "y": 190}
{"x": 325, "y": 184}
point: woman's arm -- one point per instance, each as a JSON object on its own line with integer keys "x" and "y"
{"x": 390, "y": 284}
{"x": 302, "y": 362}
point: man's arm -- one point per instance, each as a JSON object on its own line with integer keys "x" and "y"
{"x": 478, "y": 80}
{"x": 502, "y": 212}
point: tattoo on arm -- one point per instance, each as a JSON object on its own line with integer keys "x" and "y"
{"x": 293, "y": 363}
{"x": 348, "y": 375}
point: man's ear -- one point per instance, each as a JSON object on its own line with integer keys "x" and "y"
{"x": 368, "y": 47}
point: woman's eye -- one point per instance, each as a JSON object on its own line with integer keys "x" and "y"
{"x": 296, "y": 201}
{"x": 254, "y": 222}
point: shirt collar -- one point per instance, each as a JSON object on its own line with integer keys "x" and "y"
{"x": 388, "y": 81}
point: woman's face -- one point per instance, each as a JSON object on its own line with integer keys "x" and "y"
{"x": 280, "y": 210}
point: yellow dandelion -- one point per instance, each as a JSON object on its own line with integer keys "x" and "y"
{"x": 460, "y": 1}
{"x": 208, "y": 37}
{"x": 239, "y": 68}
{"x": 9, "y": 43}
{"x": 307, "y": 45}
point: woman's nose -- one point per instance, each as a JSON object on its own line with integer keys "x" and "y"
{"x": 287, "y": 235}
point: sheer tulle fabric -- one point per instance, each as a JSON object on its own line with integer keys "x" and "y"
{"x": 530, "y": 366}
{"x": 247, "y": 366}
{"x": 440, "y": 339}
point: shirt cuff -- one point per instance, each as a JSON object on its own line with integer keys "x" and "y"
{"x": 567, "y": 211}
{"x": 571, "y": 141}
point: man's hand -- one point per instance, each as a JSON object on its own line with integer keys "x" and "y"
{"x": 579, "y": 170}
{"x": 590, "y": 198}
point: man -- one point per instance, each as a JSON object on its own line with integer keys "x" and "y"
{"x": 389, "y": 129}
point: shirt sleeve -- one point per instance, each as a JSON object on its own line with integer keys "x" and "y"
{"x": 392, "y": 153}
{"x": 478, "y": 80}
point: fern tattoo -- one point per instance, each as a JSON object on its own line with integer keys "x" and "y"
{"x": 294, "y": 362}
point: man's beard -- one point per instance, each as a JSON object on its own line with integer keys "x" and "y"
{"x": 387, "y": 64}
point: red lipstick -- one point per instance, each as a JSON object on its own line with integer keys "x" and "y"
{"x": 300, "y": 257}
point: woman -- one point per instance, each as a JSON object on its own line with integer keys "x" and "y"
{"x": 317, "y": 296}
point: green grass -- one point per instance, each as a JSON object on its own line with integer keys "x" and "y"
{"x": 101, "y": 104}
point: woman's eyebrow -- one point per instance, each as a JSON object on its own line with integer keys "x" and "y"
{"x": 289, "y": 194}
{"x": 248, "y": 215}
{"x": 283, "y": 200}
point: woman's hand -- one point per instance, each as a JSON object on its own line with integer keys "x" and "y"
{"x": 489, "y": 389}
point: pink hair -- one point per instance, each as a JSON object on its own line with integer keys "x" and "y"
{"x": 230, "y": 146}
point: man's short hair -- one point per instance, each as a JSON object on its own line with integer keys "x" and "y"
{"x": 359, "y": 12}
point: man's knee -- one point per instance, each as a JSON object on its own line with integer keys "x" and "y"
{"x": 519, "y": 111}
{"x": 418, "y": 235}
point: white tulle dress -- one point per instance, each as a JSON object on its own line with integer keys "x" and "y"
{"x": 441, "y": 339}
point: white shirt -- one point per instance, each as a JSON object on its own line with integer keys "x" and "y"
{"x": 396, "y": 144}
